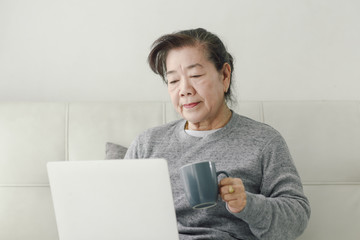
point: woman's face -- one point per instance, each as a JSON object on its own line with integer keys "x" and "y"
{"x": 196, "y": 87}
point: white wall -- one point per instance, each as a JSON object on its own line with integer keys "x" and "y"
{"x": 96, "y": 50}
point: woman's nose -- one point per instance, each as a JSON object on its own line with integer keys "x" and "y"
{"x": 186, "y": 88}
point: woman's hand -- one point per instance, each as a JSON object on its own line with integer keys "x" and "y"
{"x": 232, "y": 191}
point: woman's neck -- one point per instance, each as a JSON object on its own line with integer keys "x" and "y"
{"x": 220, "y": 121}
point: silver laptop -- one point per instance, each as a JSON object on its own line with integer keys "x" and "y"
{"x": 113, "y": 199}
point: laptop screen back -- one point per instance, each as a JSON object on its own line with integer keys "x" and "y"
{"x": 113, "y": 199}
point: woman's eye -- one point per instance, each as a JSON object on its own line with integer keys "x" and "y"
{"x": 195, "y": 76}
{"x": 173, "y": 81}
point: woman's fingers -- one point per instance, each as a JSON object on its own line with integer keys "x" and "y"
{"x": 232, "y": 191}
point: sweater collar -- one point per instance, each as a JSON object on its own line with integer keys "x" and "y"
{"x": 213, "y": 136}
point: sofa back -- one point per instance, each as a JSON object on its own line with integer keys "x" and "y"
{"x": 323, "y": 137}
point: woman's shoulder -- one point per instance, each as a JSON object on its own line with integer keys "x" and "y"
{"x": 253, "y": 127}
{"x": 162, "y": 131}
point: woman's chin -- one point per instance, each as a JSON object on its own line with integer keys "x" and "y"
{"x": 192, "y": 119}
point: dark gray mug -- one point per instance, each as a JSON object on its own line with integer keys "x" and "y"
{"x": 201, "y": 184}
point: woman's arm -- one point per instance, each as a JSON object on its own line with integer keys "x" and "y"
{"x": 281, "y": 210}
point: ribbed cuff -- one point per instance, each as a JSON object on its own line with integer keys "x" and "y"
{"x": 254, "y": 209}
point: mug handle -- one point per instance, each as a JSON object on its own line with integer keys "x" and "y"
{"x": 222, "y": 172}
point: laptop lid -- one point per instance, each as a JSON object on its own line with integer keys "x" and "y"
{"x": 113, "y": 199}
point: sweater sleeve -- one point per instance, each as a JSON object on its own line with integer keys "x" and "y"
{"x": 133, "y": 151}
{"x": 281, "y": 210}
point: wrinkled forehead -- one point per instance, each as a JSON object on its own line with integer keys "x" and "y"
{"x": 186, "y": 57}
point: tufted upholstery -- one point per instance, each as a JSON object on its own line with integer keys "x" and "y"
{"x": 324, "y": 138}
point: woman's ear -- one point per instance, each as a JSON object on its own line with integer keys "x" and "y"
{"x": 226, "y": 76}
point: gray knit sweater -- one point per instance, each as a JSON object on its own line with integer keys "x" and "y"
{"x": 276, "y": 205}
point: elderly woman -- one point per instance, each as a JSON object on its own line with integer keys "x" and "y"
{"x": 264, "y": 199}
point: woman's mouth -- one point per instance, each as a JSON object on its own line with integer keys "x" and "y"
{"x": 191, "y": 105}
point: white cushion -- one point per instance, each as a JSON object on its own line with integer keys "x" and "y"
{"x": 335, "y": 212}
{"x": 323, "y": 137}
{"x": 91, "y": 125}
{"x": 31, "y": 134}
{"x": 27, "y": 213}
